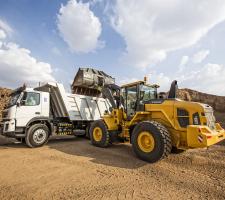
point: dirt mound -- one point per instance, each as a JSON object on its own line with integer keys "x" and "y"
{"x": 217, "y": 102}
{"x": 4, "y": 98}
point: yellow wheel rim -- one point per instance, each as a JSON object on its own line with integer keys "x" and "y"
{"x": 146, "y": 141}
{"x": 97, "y": 134}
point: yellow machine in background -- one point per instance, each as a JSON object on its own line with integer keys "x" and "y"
{"x": 155, "y": 126}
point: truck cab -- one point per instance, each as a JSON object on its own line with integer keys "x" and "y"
{"x": 25, "y": 105}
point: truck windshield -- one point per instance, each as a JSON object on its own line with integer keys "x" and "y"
{"x": 147, "y": 93}
{"x": 13, "y": 99}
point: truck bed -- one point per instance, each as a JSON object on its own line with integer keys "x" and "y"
{"x": 75, "y": 107}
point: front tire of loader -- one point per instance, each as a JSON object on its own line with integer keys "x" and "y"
{"x": 151, "y": 141}
{"x": 37, "y": 135}
{"x": 99, "y": 134}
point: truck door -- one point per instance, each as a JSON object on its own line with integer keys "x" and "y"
{"x": 30, "y": 107}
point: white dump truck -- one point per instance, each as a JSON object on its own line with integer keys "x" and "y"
{"x": 34, "y": 114}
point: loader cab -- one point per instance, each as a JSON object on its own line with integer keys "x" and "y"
{"x": 136, "y": 94}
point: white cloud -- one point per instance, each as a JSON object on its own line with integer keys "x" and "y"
{"x": 183, "y": 63}
{"x": 209, "y": 79}
{"x": 200, "y": 56}
{"x": 162, "y": 80}
{"x": 2, "y": 34}
{"x": 153, "y": 78}
{"x": 79, "y": 27}
{"x": 5, "y": 30}
{"x": 153, "y": 28}
{"x": 5, "y": 27}
{"x": 93, "y": 2}
{"x": 184, "y": 60}
{"x": 18, "y": 66}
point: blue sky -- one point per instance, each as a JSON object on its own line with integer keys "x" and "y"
{"x": 48, "y": 40}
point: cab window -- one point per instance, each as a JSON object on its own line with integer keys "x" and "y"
{"x": 147, "y": 93}
{"x": 31, "y": 99}
{"x": 131, "y": 100}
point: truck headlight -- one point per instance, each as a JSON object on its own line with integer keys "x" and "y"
{"x": 196, "y": 119}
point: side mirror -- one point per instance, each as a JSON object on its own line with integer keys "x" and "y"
{"x": 23, "y": 102}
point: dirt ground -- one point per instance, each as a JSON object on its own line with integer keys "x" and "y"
{"x": 74, "y": 169}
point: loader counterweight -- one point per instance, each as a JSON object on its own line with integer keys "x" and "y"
{"x": 203, "y": 136}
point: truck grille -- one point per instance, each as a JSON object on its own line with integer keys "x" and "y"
{"x": 5, "y": 115}
{"x": 210, "y": 118}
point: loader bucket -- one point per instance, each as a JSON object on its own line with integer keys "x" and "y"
{"x": 90, "y": 81}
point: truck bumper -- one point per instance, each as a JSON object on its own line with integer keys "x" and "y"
{"x": 13, "y": 134}
{"x": 203, "y": 136}
{"x": 8, "y": 129}
{"x": 9, "y": 126}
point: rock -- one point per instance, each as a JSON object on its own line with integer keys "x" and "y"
{"x": 4, "y": 98}
{"x": 217, "y": 102}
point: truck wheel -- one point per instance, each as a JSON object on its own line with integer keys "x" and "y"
{"x": 99, "y": 134}
{"x": 87, "y": 131}
{"x": 37, "y": 135}
{"x": 151, "y": 141}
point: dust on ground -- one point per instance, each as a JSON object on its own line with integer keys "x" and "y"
{"x": 74, "y": 169}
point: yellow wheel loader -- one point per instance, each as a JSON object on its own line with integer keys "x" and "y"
{"x": 154, "y": 126}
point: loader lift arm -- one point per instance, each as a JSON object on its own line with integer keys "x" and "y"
{"x": 108, "y": 92}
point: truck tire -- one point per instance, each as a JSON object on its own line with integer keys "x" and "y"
{"x": 99, "y": 134}
{"x": 37, "y": 135}
{"x": 87, "y": 132}
{"x": 151, "y": 141}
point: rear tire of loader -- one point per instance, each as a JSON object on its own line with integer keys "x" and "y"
{"x": 99, "y": 134}
{"x": 151, "y": 141}
{"x": 37, "y": 135}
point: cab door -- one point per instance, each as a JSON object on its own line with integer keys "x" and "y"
{"x": 130, "y": 98}
{"x": 30, "y": 107}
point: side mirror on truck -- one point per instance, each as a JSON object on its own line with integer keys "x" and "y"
{"x": 23, "y": 102}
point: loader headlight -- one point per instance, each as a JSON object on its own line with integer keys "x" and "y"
{"x": 196, "y": 119}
